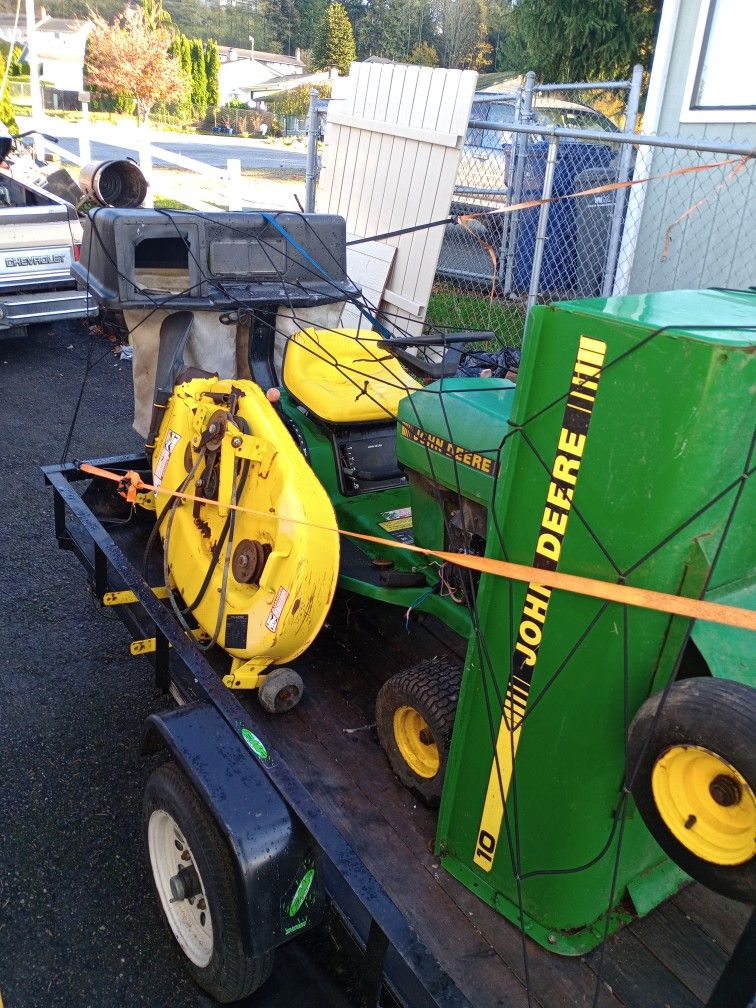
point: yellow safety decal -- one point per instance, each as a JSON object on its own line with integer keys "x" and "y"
{"x": 564, "y": 474}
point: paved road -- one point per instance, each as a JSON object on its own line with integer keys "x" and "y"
{"x": 78, "y": 924}
{"x": 215, "y": 154}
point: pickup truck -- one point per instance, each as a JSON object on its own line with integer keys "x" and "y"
{"x": 40, "y": 238}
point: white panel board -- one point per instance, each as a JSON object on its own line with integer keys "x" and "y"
{"x": 392, "y": 146}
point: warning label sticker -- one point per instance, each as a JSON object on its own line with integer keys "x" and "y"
{"x": 171, "y": 440}
{"x": 398, "y": 524}
{"x": 276, "y": 609}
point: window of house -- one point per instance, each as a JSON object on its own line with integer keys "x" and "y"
{"x": 721, "y": 85}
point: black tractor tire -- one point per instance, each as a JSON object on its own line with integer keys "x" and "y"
{"x": 717, "y": 717}
{"x": 427, "y": 695}
{"x": 231, "y": 973}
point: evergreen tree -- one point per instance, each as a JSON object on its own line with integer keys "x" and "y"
{"x": 155, "y": 15}
{"x": 334, "y": 41}
{"x": 380, "y": 31}
{"x": 212, "y": 68}
{"x": 199, "y": 75}
{"x": 185, "y": 57}
{"x": 180, "y": 49}
{"x": 571, "y": 40}
{"x": 6, "y": 105}
{"x": 505, "y": 36}
{"x": 309, "y": 15}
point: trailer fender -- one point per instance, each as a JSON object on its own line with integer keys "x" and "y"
{"x": 273, "y": 854}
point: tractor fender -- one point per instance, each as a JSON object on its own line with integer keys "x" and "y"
{"x": 273, "y": 854}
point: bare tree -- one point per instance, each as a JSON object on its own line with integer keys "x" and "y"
{"x": 132, "y": 57}
{"x": 459, "y": 24}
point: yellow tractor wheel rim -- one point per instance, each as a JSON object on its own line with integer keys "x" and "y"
{"x": 415, "y": 742}
{"x": 706, "y": 804}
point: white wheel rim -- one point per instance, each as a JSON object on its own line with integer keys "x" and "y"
{"x": 189, "y": 918}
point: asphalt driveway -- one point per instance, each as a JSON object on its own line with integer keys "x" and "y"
{"x": 78, "y": 924}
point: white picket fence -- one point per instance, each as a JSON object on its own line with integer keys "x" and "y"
{"x": 227, "y": 180}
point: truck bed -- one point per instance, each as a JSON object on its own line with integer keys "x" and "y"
{"x": 671, "y": 959}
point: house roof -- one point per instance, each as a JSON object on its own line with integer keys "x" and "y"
{"x": 73, "y": 25}
{"x": 70, "y": 26}
{"x": 285, "y": 82}
{"x": 261, "y": 57}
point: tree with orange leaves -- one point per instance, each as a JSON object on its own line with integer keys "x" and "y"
{"x": 132, "y": 57}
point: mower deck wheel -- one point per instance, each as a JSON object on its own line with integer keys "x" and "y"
{"x": 281, "y": 691}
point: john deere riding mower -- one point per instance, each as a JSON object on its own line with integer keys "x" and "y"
{"x": 587, "y": 736}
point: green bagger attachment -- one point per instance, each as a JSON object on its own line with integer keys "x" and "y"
{"x": 623, "y": 461}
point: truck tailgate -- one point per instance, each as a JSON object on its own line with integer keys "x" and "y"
{"x": 36, "y": 246}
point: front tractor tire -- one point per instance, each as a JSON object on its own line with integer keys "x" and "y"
{"x": 692, "y": 765}
{"x": 194, "y": 881}
{"x": 415, "y": 717}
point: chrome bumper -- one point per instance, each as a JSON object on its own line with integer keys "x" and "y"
{"x": 45, "y": 306}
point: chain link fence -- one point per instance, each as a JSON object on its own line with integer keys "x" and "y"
{"x": 685, "y": 228}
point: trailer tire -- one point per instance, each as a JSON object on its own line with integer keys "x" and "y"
{"x": 414, "y": 714}
{"x": 693, "y": 777}
{"x": 215, "y": 956}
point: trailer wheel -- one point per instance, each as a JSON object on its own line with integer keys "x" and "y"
{"x": 415, "y": 716}
{"x": 194, "y": 880}
{"x": 695, "y": 780}
{"x": 281, "y": 691}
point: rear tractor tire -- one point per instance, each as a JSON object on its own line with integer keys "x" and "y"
{"x": 196, "y": 886}
{"x": 415, "y": 717}
{"x": 694, "y": 767}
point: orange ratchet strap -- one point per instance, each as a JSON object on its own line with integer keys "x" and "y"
{"x": 643, "y": 598}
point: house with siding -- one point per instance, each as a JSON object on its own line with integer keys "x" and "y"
{"x": 242, "y": 71}
{"x": 60, "y": 47}
{"x": 696, "y": 230}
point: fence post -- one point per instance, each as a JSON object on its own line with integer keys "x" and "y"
{"x": 311, "y": 171}
{"x": 85, "y": 150}
{"x": 623, "y": 174}
{"x": 32, "y": 57}
{"x": 520, "y": 159}
{"x": 543, "y": 223}
{"x": 233, "y": 175}
{"x": 145, "y": 161}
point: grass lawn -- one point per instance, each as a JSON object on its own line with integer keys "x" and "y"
{"x": 448, "y": 306}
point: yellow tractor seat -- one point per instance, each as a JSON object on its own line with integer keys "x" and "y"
{"x": 343, "y": 377}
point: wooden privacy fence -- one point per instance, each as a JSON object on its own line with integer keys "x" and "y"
{"x": 393, "y": 142}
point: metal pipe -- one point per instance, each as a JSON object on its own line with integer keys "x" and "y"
{"x": 543, "y": 223}
{"x": 605, "y": 137}
{"x": 311, "y": 171}
{"x": 587, "y": 86}
{"x": 623, "y": 174}
{"x": 520, "y": 159}
{"x": 37, "y": 109}
{"x": 85, "y": 150}
{"x": 233, "y": 178}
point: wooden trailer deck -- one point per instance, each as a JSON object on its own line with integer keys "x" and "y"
{"x": 670, "y": 959}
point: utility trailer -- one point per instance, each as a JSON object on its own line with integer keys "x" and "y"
{"x": 314, "y": 824}
{"x": 326, "y": 457}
